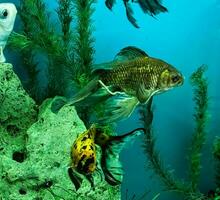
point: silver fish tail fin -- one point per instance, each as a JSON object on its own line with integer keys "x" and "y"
{"x": 86, "y": 91}
{"x": 82, "y": 94}
{"x": 118, "y": 107}
{"x": 57, "y": 104}
{"x": 110, "y": 163}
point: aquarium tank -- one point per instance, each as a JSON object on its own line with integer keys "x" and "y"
{"x": 109, "y": 100}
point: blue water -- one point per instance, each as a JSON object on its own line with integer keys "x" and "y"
{"x": 186, "y": 37}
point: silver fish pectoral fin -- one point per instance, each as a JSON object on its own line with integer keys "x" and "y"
{"x": 119, "y": 107}
{"x": 108, "y": 89}
{"x": 144, "y": 95}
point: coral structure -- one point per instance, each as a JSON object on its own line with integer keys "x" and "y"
{"x": 17, "y": 112}
{"x": 35, "y": 151}
{"x": 189, "y": 191}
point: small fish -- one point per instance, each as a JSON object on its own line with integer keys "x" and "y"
{"x": 131, "y": 79}
{"x": 151, "y": 7}
{"x": 8, "y": 13}
{"x": 84, "y": 158}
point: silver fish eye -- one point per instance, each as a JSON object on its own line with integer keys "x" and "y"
{"x": 4, "y": 14}
{"x": 175, "y": 78}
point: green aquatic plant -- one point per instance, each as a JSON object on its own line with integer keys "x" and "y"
{"x": 84, "y": 50}
{"x": 171, "y": 183}
{"x": 155, "y": 162}
{"x": 58, "y": 60}
{"x": 200, "y": 86}
{"x": 62, "y": 56}
{"x": 216, "y": 153}
{"x": 84, "y": 40}
{"x": 39, "y": 41}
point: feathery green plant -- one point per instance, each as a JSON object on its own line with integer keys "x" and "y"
{"x": 216, "y": 153}
{"x": 200, "y": 86}
{"x": 189, "y": 191}
{"x": 84, "y": 40}
{"x": 41, "y": 43}
{"x": 84, "y": 50}
{"x": 37, "y": 41}
{"x": 155, "y": 162}
{"x": 67, "y": 55}
{"x": 65, "y": 11}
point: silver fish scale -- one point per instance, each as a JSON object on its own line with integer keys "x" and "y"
{"x": 131, "y": 75}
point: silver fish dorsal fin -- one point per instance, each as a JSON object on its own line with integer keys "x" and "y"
{"x": 130, "y": 53}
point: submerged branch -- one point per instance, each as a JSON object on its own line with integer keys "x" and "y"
{"x": 200, "y": 89}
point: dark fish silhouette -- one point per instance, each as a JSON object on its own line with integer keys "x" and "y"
{"x": 151, "y": 7}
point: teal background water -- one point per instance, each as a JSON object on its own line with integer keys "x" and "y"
{"x": 186, "y": 37}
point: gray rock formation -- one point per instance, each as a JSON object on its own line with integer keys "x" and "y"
{"x": 35, "y": 149}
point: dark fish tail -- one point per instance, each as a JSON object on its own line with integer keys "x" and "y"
{"x": 161, "y": 7}
{"x": 129, "y": 13}
{"x": 76, "y": 180}
{"x": 153, "y": 7}
{"x": 111, "y": 165}
{"x": 109, "y": 4}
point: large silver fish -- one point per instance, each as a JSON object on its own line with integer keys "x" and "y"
{"x": 8, "y": 13}
{"x": 132, "y": 78}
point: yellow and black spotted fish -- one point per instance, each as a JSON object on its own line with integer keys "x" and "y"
{"x": 84, "y": 160}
